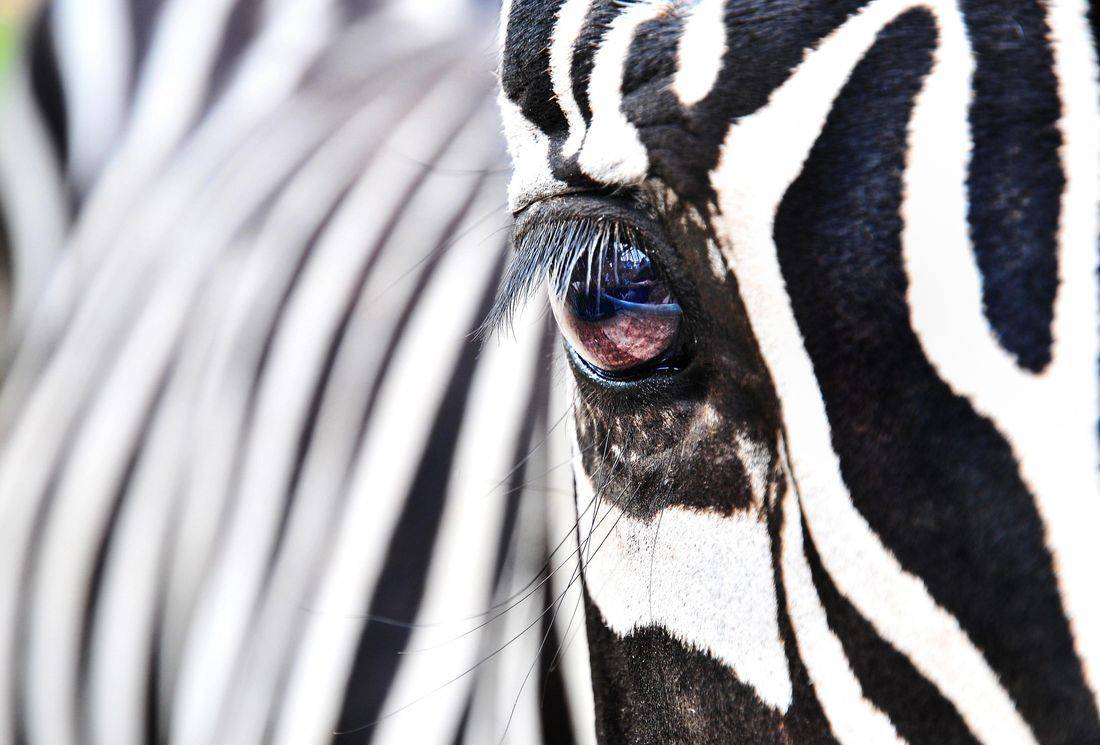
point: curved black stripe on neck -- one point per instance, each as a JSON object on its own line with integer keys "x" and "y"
{"x": 555, "y": 718}
{"x": 935, "y": 481}
{"x": 919, "y": 712}
{"x": 1016, "y": 179}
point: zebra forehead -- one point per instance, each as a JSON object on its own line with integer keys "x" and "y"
{"x": 603, "y": 94}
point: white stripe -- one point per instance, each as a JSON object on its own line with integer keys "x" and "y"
{"x": 532, "y": 178}
{"x": 613, "y": 152}
{"x": 854, "y": 720}
{"x": 34, "y": 201}
{"x": 705, "y": 578}
{"x": 93, "y": 56}
{"x": 571, "y": 17}
{"x": 761, "y": 157}
{"x": 1049, "y": 419}
{"x": 263, "y": 283}
{"x": 701, "y": 49}
{"x": 390, "y": 451}
{"x": 297, "y": 359}
{"x": 561, "y": 508}
{"x": 1071, "y": 519}
{"x": 461, "y": 577}
{"x": 90, "y": 479}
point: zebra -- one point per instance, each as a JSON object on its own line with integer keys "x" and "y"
{"x": 743, "y": 579}
{"x": 262, "y": 482}
{"x": 826, "y": 273}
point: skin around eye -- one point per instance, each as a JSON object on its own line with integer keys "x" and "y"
{"x": 616, "y": 311}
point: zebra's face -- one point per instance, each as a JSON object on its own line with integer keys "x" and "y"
{"x": 676, "y": 420}
{"x": 826, "y": 277}
{"x": 677, "y": 467}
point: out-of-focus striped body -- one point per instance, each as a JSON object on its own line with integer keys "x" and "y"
{"x": 251, "y": 451}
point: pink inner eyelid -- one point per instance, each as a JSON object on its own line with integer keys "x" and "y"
{"x": 626, "y": 340}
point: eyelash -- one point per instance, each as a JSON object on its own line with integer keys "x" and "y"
{"x": 551, "y": 249}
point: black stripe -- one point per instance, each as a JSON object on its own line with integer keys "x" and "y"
{"x": 95, "y": 583}
{"x": 596, "y": 23}
{"x": 1016, "y": 179}
{"x": 1094, "y": 24}
{"x": 46, "y": 85}
{"x": 919, "y": 713}
{"x": 403, "y": 577}
{"x": 765, "y": 42}
{"x": 380, "y": 247}
{"x": 555, "y": 719}
{"x": 525, "y": 75}
{"x": 240, "y": 29}
{"x": 354, "y": 9}
{"x": 933, "y": 479}
{"x": 143, "y": 23}
{"x": 534, "y": 421}
{"x": 464, "y": 722}
{"x": 650, "y": 104}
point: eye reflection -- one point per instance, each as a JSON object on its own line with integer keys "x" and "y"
{"x": 616, "y": 310}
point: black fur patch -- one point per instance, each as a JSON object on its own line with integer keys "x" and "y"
{"x": 1016, "y": 179}
{"x": 652, "y": 690}
{"x": 933, "y": 479}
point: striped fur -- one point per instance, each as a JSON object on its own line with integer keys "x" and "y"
{"x": 865, "y": 511}
{"x": 251, "y": 452}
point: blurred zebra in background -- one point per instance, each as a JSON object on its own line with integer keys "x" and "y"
{"x": 258, "y": 482}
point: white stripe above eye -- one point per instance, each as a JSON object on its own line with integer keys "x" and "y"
{"x": 612, "y": 152}
{"x": 702, "y": 46}
{"x": 570, "y": 22}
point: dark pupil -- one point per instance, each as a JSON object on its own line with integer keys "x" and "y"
{"x": 621, "y": 274}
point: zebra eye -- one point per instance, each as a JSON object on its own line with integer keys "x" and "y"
{"x": 616, "y": 310}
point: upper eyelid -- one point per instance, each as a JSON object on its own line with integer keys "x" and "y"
{"x": 536, "y": 247}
